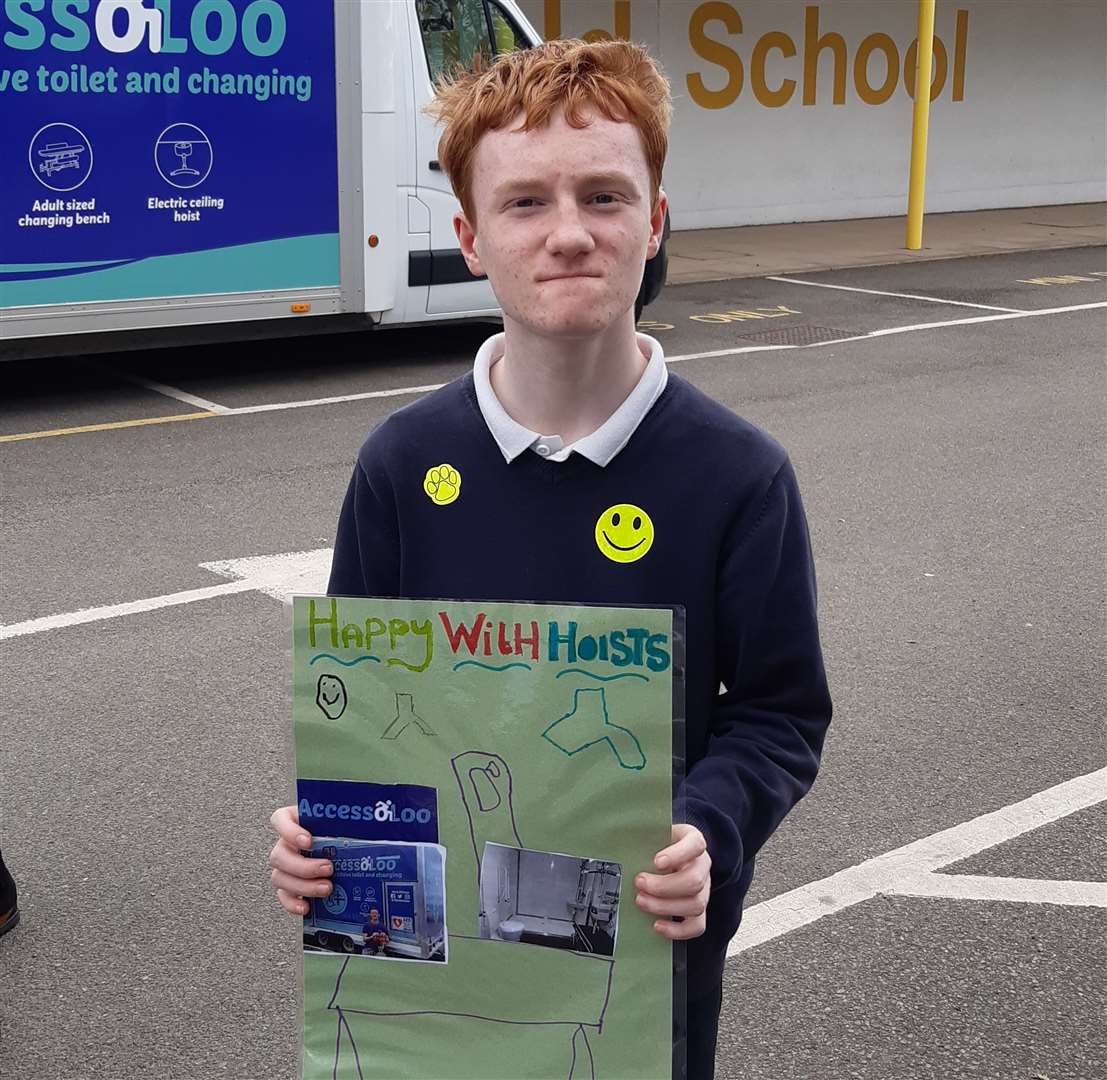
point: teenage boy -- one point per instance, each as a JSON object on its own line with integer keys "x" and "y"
{"x": 571, "y": 467}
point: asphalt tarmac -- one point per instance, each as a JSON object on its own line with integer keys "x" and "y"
{"x": 949, "y": 442}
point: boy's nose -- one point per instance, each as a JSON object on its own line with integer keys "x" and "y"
{"x": 569, "y": 235}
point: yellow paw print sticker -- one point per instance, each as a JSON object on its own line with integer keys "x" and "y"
{"x": 443, "y": 484}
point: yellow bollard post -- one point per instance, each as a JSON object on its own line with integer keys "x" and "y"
{"x": 916, "y": 195}
{"x": 551, "y": 11}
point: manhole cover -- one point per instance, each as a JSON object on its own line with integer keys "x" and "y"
{"x": 798, "y": 335}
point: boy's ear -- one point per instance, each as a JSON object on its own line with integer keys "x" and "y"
{"x": 466, "y": 238}
{"x": 657, "y": 224}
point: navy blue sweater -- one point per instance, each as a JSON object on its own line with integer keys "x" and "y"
{"x": 730, "y": 545}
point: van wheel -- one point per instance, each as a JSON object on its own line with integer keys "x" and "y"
{"x": 323, "y": 940}
{"x": 349, "y": 945}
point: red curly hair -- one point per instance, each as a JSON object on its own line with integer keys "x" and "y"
{"x": 617, "y": 79}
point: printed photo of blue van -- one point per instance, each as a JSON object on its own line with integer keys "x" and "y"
{"x": 388, "y": 900}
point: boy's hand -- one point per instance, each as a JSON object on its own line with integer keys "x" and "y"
{"x": 294, "y": 876}
{"x": 681, "y": 888}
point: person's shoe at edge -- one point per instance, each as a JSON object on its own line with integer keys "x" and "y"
{"x": 9, "y": 902}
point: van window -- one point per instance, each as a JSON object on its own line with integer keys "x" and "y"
{"x": 505, "y": 33}
{"x": 455, "y": 31}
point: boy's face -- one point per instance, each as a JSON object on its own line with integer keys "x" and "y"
{"x": 563, "y": 223}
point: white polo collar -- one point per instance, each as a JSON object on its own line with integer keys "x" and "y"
{"x": 603, "y": 444}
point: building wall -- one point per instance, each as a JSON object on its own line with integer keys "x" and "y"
{"x": 1018, "y": 119}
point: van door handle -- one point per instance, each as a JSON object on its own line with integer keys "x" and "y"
{"x": 434, "y": 166}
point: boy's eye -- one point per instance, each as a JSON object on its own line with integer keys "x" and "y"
{"x": 529, "y": 201}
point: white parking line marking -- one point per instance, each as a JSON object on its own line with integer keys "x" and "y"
{"x": 910, "y": 870}
{"x": 901, "y": 295}
{"x": 1017, "y": 890}
{"x": 889, "y": 331}
{"x": 278, "y": 406}
{"x": 114, "y": 611}
{"x": 164, "y": 388}
{"x": 278, "y": 576}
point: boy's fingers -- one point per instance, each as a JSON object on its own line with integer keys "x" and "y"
{"x": 681, "y": 931}
{"x": 299, "y": 886}
{"x": 294, "y": 905}
{"x": 684, "y": 905}
{"x": 689, "y": 844}
{"x": 687, "y": 882}
{"x": 285, "y": 822}
{"x": 293, "y": 875}
{"x": 282, "y": 857}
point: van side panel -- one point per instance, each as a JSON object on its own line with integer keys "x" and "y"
{"x": 349, "y": 80}
{"x": 190, "y": 184}
{"x": 387, "y": 163}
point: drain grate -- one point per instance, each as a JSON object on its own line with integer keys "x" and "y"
{"x": 798, "y": 335}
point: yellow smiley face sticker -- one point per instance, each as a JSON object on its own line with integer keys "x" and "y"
{"x": 624, "y": 533}
{"x": 442, "y": 484}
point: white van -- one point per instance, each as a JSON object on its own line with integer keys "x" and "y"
{"x": 251, "y": 168}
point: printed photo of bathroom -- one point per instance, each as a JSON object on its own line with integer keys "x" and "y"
{"x": 543, "y": 898}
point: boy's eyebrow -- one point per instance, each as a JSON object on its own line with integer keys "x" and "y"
{"x": 613, "y": 178}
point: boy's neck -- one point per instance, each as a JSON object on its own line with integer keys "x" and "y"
{"x": 565, "y": 387}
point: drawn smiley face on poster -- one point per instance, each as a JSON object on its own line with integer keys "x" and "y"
{"x": 330, "y": 696}
{"x": 624, "y": 533}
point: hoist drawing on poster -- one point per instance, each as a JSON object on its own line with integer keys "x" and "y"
{"x": 485, "y": 789}
{"x": 405, "y": 717}
{"x": 587, "y": 724}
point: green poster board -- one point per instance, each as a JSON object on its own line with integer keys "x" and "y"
{"x": 488, "y": 779}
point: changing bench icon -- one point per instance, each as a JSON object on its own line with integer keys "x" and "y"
{"x": 59, "y": 156}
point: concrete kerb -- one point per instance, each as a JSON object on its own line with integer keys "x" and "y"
{"x": 703, "y": 255}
